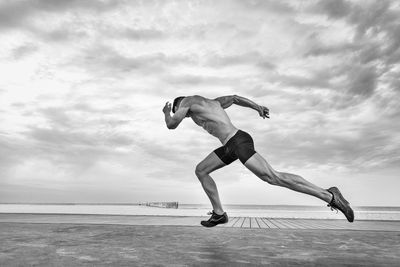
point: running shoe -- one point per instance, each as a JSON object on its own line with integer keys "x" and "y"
{"x": 215, "y": 219}
{"x": 339, "y": 202}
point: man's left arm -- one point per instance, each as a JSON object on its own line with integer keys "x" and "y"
{"x": 173, "y": 121}
{"x": 227, "y": 101}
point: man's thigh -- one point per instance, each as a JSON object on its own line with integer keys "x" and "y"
{"x": 211, "y": 163}
{"x": 259, "y": 166}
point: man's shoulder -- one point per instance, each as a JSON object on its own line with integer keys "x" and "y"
{"x": 193, "y": 100}
{"x": 195, "y": 103}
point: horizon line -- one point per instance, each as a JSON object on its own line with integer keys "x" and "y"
{"x": 139, "y": 204}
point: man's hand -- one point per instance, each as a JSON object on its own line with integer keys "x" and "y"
{"x": 263, "y": 111}
{"x": 167, "y": 108}
{"x": 174, "y": 120}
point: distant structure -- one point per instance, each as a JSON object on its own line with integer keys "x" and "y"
{"x": 167, "y": 205}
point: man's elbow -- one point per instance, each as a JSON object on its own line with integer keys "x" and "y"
{"x": 235, "y": 99}
{"x": 171, "y": 126}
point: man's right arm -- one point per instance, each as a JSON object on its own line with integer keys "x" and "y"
{"x": 227, "y": 101}
{"x": 173, "y": 121}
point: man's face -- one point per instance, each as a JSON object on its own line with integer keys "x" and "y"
{"x": 178, "y": 106}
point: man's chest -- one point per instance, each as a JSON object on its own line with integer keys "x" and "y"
{"x": 198, "y": 119}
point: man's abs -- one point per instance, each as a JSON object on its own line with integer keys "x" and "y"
{"x": 212, "y": 117}
{"x": 220, "y": 130}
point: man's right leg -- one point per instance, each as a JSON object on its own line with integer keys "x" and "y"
{"x": 260, "y": 167}
{"x": 211, "y": 163}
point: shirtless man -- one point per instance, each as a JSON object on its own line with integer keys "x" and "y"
{"x": 237, "y": 144}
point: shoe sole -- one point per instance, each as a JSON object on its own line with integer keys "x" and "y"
{"x": 208, "y": 224}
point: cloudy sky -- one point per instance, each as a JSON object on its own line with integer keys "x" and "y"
{"x": 83, "y": 83}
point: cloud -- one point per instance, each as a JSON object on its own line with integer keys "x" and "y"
{"x": 301, "y": 81}
{"x": 266, "y": 5}
{"x": 104, "y": 59}
{"x": 10, "y": 154}
{"x": 376, "y": 20}
{"x": 73, "y": 137}
{"x": 335, "y": 140}
{"x": 371, "y": 16}
{"x": 362, "y": 81}
{"x": 24, "y": 50}
{"x": 57, "y": 117}
{"x": 16, "y": 13}
{"x": 137, "y": 34}
{"x": 83, "y": 85}
{"x": 61, "y": 34}
{"x": 319, "y": 49}
{"x": 333, "y": 8}
{"x": 197, "y": 80}
{"x": 359, "y": 65}
{"x": 247, "y": 59}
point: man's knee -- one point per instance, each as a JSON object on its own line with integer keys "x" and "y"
{"x": 200, "y": 171}
{"x": 272, "y": 178}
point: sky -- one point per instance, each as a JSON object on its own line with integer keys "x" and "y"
{"x": 83, "y": 84}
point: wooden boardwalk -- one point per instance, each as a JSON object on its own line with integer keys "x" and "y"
{"x": 278, "y": 223}
{"x": 261, "y": 223}
{"x": 274, "y": 223}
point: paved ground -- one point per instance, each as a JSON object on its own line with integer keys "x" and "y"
{"x": 54, "y": 240}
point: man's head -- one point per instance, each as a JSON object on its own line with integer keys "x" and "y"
{"x": 177, "y": 102}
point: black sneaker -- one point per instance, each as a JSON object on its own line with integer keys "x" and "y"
{"x": 339, "y": 202}
{"x": 215, "y": 220}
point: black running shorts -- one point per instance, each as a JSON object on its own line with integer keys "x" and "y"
{"x": 240, "y": 146}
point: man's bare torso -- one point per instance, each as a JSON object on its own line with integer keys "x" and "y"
{"x": 210, "y": 116}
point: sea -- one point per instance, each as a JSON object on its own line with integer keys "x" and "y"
{"x": 269, "y": 211}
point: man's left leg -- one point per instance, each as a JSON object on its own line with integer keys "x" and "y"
{"x": 211, "y": 163}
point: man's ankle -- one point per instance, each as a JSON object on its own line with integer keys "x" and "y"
{"x": 329, "y": 197}
{"x": 219, "y": 212}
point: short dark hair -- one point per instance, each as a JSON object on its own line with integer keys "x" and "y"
{"x": 176, "y": 103}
